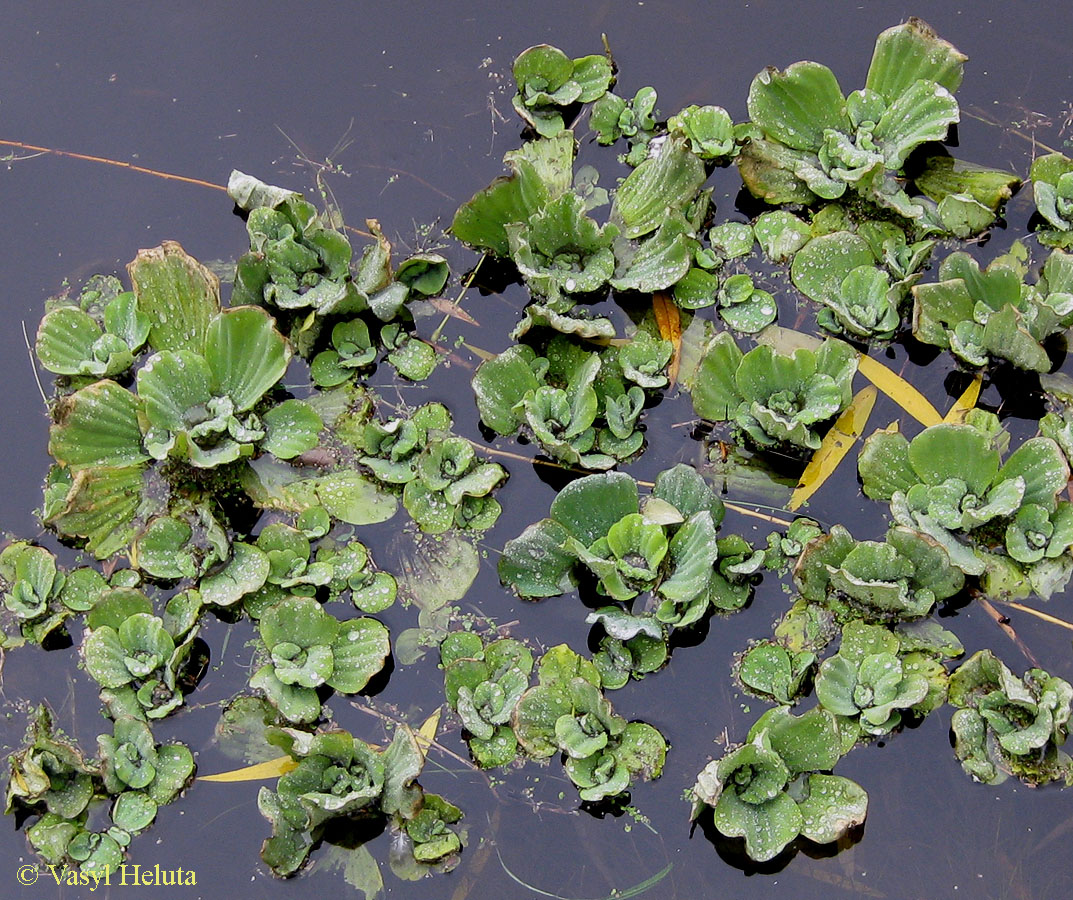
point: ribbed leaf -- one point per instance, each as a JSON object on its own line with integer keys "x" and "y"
{"x": 170, "y": 384}
{"x": 246, "y": 354}
{"x": 97, "y": 426}
{"x": 820, "y": 267}
{"x": 715, "y": 391}
{"x": 909, "y": 52}
{"x": 177, "y": 294}
{"x": 588, "y": 507}
{"x": 291, "y": 427}
{"x": 668, "y": 182}
{"x": 923, "y": 112}
{"x": 796, "y": 106}
{"x": 65, "y": 340}
{"x": 535, "y": 563}
{"x": 359, "y": 652}
{"x": 500, "y": 384}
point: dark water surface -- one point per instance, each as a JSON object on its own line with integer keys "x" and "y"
{"x": 407, "y": 111}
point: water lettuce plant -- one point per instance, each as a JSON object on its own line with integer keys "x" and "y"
{"x": 340, "y": 776}
{"x": 549, "y": 82}
{"x": 850, "y": 273}
{"x": 809, "y": 142}
{"x": 773, "y": 788}
{"x": 771, "y": 671}
{"x": 200, "y": 400}
{"x": 308, "y": 647}
{"x": 96, "y": 336}
{"x": 777, "y": 401}
{"x": 583, "y": 407}
{"x": 979, "y": 315}
{"x": 483, "y": 683}
{"x": 299, "y": 267}
{"x": 33, "y": 592}
{"x": 142, "y": 774}
{"x": 1052, "y": 189}
{"x": 613, "y": 117}
{"x": 871, "y": 684}
{"x": 1005, "y": 725}
{"x": 950, "y": 480}
{"x": 566, "y": 713}
{"x": 444, "y": 483}
{"x": 668, "y": 548}
{"x": 137, "y": 663}
{"x": 899, "y": 578}
{"x": 49, "y": 771}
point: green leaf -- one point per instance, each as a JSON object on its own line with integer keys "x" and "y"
{"x": 804, "y": 743}
{"x": 944, "y": 176}
{"x": 351, "y": 498}
{"x": 797, "y": 105}
{"x": 667, "y": 182}
{"x": 715, "y": 392}
{"x": 359, "y": 651}
{"x": 923, "y": 112}
{"x": 97, "y": 426}
{"x": 710, "y": 131}
{"x": 69, "y": 342}
{"x": 780, "y": 234}
{"x": 134, "y": 811}
{"x": 537, "y": 563}
{"x": 767, "y": 827}
{"x": 177, "y": 295}
{"x": 481, "y": 221}
{"x": 501, "y": 383}
{"x": 437, "y": 570}
{"x": 246, "y": 572}
{"x": 245, "y": 353}
{"x": 403, "y": 761}
{"x": 1040, "y": 463}
{"x": 911, "y": 52}
{"x": 588, "y": 507}
{"x": 833, "y": 805}
{"x": 820, "y": 267}
{"x": 291, "y": 428}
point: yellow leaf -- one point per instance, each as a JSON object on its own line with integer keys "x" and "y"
{"x": 965, "y": 402}
{"x": 273, "y": 768}
{"x": 785, "y": 341}
{"x": 835, "y": 446}
{"x": 426, "y": 734}
{"x": 478, "y": 352}
{"x": 899, "y": 390}
{"x": 669, "y": 320}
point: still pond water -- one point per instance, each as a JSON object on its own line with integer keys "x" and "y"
{"x": 406, "y": 109}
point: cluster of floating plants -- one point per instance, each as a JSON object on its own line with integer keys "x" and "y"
{"x": 197, "y": 484}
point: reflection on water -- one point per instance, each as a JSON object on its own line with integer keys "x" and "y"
{"x": 424, "y": 98}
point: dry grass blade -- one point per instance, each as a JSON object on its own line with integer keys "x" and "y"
{"x": 1004, "y": 623}
{"x": 756, "y": 514}
{"x": 272, "y": 768}
{"x": 114, "y": 162}
{"x": 462, "y": 293}
{"x": 669, "y": 320}
{"x": 1039, "y": 614}
{"x": 451, "y": 308}
{"x": 478, "y": 352}
{"x": 964, "y": 403}
{"x": 843, "y": 435}
{"x": 899, "y": 390}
